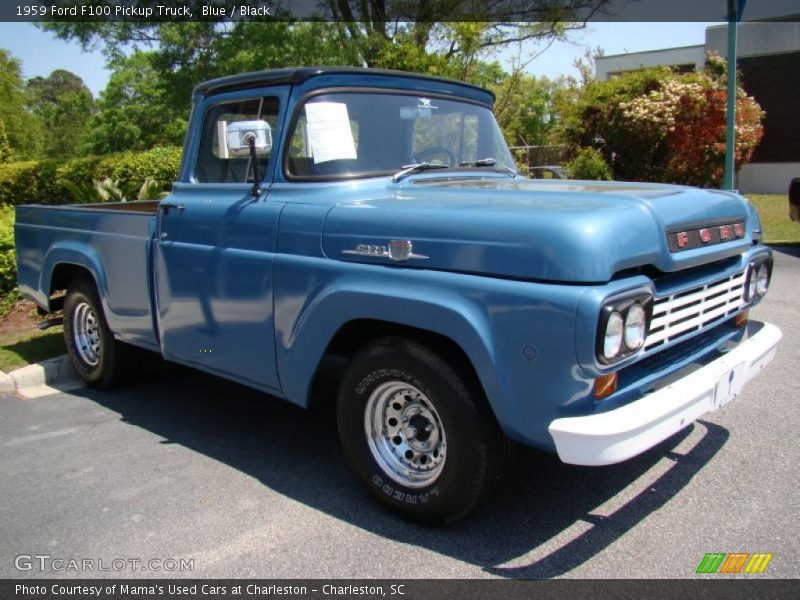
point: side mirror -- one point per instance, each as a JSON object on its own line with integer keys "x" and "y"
{"x": 234, "y": 138}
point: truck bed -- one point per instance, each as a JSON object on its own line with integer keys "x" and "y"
{"x": 117, "y": 238}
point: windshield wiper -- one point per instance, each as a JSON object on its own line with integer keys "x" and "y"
{"x": 488, "y": 162}
{"x": 416, "y": 168}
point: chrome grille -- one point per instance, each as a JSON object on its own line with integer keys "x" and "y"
{"x": 680, "y": 314}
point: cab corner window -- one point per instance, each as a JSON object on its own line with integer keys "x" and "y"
{"x": 229, "y": 130}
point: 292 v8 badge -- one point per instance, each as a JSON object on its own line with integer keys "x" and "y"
{"x": 398, "y": 250}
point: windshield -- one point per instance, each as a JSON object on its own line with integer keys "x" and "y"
{"x": 368, "y": 134}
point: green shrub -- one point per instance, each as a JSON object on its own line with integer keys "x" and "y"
{"x": 8, "y": 262}
{"x": 151, "y": 190}
{"x": 79, "y": 170}
{"x": 42, "y": 182}
{"x": 79, "y": 193}
{"x": 658, "y": 125}
{"x": 132, "y": 169}
{"x": 109, "y": 190}
{"x": 29, "y": 181}
{"x": 588, "y": 164}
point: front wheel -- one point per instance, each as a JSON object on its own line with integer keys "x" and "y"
{"x": 418, "y": 431}
{"x": 97, "y": 357}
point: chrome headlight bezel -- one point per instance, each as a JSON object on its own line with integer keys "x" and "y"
{"x": 622, "y": 306}
{"x": 759, "y": 277}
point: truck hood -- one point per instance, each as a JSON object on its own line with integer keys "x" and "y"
{"x": 569, "y": 231}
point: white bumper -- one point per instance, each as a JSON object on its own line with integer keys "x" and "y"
{"x": 614, "y": 436}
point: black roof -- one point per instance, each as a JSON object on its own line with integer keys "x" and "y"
{"x": 300, "y": 74}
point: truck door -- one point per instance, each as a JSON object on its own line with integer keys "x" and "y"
{"x": 214, "y": 253}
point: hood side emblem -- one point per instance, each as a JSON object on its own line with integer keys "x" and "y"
{"x": 397, "y": 250}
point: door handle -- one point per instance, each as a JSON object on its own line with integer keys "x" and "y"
{"x": 166, "y": 206}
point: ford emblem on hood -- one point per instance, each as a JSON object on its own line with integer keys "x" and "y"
{"x": 704, "y": 236}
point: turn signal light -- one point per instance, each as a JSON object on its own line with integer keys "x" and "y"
{"x": 740, "y": 320}
{"x": 605, "y": 385}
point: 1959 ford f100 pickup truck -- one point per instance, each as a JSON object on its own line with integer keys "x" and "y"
{"x": 378, "y": 216}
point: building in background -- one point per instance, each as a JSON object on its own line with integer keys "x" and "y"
{"x": 769, "y": 60}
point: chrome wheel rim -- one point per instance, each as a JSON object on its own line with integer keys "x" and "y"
{"x": 405, "y": 434}
{"x": 86, "y": 334}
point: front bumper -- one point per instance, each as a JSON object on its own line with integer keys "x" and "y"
{"x": 617, "y": 435}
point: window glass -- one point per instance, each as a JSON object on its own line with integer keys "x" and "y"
{"x": 370, "y": 133}
{"x": 224, "y": 155}
{"x": 454, "y": 133}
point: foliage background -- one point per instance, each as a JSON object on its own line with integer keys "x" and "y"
{"x": 658, "y": 125}
{"x": 42, "y": 181}
{"x": 8, "y": 266}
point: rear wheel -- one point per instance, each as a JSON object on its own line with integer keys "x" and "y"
{"x": 97, "y": 357}
{"x": 418, "y": 431}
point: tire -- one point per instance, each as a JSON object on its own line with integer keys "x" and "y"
{"x": 419, "y": 432}
{"x": 98, "y": 358}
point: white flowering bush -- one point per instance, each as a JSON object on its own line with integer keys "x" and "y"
{"x": 658, "y": 125}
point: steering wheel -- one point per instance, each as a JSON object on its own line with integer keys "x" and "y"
{"x": 421, "y": 156}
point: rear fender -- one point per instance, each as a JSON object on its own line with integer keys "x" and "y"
{"x": 73, "y": 253}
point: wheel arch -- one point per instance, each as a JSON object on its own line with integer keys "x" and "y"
{"x": 355, "y": 334}
{"x": 342, "y": 321}
{"x": 65, "y": 263}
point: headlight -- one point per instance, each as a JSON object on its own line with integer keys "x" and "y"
{"x": 758, "y": 276}
{"x": 613, "y": 337}
{"x": 623, "y": 327}
{"x": 635, "y": 324}
{"x": 751, "y": 286}
{"x": 762, "y": 279}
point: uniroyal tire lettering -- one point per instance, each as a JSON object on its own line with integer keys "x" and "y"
{"x": 401, "y": 496}
{"x": 379, "y": 374}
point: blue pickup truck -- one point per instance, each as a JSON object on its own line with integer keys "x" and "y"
{"x": 378, "y": 216}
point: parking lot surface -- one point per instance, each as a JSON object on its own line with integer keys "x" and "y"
{"x": 181, "y": 465}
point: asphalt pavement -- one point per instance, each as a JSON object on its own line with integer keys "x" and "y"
{"x": 181, "y": 466}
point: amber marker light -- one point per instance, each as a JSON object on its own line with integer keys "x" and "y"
{"x": 605, "y": 385}
{"x": 740, "y": 320}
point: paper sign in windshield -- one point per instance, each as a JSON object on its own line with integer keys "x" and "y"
{"x": 329, "y": 131}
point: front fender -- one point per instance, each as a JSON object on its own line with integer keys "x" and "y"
{"x": 304, "y": 334}
{"x": 505, "y": 328}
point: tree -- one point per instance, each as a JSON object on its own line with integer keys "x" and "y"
{"x": 189, "y": 53}
{"x": 64, "y": 105}
{"x": 413, "y": 35}
{"x": 419, "y": 35}
{"x": 22, "y": 128}
{"x": 5, "y": 147}
{"x": 134, "y": 111}
{"x": 379, "y": 30}
{"x": 655, "y": 124}
{"x": 526, "y": 108}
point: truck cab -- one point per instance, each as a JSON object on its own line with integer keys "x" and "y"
{"x": 378, "y": 216}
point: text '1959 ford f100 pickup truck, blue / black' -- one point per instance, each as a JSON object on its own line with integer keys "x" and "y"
{"x": 377, "y": 216}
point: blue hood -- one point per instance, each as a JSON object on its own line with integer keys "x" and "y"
{"x": 569, "y": 231}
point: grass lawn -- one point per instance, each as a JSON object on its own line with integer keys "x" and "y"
{"x": 774, "y": 212}
{"x": 20, "y": 348}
